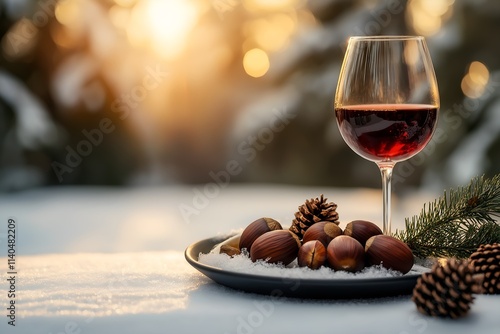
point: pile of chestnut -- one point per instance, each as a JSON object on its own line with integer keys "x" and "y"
{"x": 359, "y": 245}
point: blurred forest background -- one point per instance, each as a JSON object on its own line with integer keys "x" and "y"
{"x": 126, "y": 92}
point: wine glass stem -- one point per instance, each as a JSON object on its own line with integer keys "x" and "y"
{"x": 386, "y": 172}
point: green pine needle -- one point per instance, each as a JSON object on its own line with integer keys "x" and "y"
{"x": 456, "y": 224}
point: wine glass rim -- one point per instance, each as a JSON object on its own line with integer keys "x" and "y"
{"x": 387, "y": 38}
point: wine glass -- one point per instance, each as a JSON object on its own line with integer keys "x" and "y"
{"x": 386, "y": 103}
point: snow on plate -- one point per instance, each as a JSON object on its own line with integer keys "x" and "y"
{"x": 243, "y": 264}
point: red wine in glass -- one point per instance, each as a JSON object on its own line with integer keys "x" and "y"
{"x": 386, "y": 102}
{"x": 393, "y": 132}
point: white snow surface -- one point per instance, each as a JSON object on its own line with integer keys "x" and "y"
{"x": 243, "y": 264}
{"x": 110, "y": 260}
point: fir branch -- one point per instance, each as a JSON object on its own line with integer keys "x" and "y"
{"x": 456, "y": 224}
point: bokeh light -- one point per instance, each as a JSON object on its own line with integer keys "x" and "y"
{"x": 474, "y": 82}
{"x": 428, "y": 16}
{"x": 67, "y": 12}
{"x": 479, "y": 73}
{"x": 256, "y": 63}
{"x": 95, "y": 54}
{"x": 273, "y": 33}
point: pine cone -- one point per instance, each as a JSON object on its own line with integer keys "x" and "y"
{"x": 311, "y": 212}
{"x": 486, "y": 261}
{"x": 446, "y": 291}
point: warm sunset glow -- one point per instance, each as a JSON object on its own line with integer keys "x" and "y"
{"x": 256, "y": 63}
{"x": 271, "y": 34}
{"x": 162, "y": 25}
{"x": 269, "y": 5}
{"x": 62, "y": 37}
{"x": 125, "y": 3}
{"x": 119, "y": 16}
{"x": 67, "y": 12}
{"x": 474, "y": 82}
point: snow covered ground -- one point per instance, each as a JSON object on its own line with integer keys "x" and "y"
{"x": 110, "y": 260}
{"x": 87, "y": 219}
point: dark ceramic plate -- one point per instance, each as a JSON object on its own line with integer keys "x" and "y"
{"x": 301, "y": 288}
